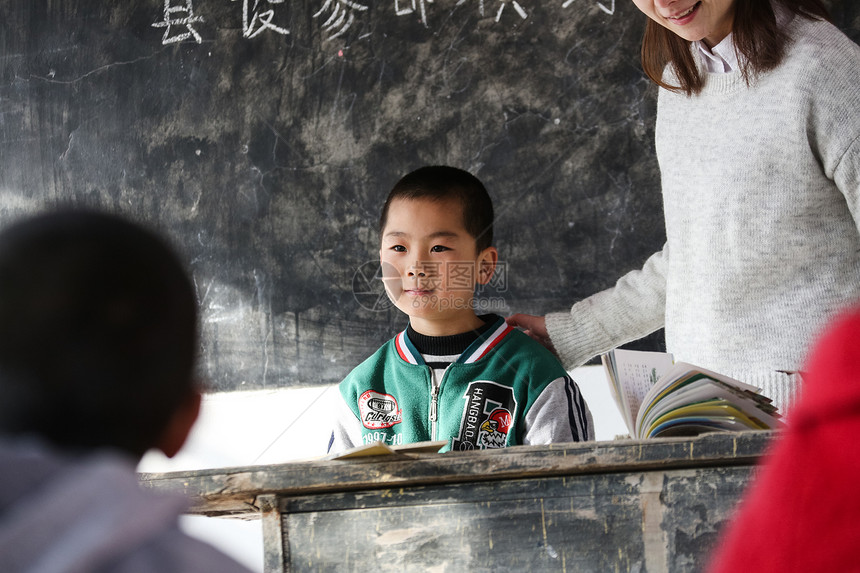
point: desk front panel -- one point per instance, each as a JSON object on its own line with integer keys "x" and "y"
{"x": 651, "y": 521}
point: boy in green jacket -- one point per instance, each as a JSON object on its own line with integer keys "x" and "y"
{"x": 452, "y": 375}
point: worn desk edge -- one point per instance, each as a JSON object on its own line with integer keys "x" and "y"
{"x": 234, "y": 492}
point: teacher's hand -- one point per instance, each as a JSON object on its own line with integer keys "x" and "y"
{"x": 534, "y": 326}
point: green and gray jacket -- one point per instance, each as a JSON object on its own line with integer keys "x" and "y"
{"x": 505, "y": 389}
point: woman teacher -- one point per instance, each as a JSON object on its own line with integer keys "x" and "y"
{"x": 758, "y": 141}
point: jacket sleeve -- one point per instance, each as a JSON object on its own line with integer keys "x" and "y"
{"x": 633, "y": 308}
{"x": 559, "y": 414}
{"x": 346, "y": 428}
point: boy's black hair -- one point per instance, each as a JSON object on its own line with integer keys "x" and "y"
{"x": 439, "y": 183}
{"x": 98, "y": 332}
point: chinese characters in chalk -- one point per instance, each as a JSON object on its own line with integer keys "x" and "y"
{"x": 341, "y": 15}
{"x": 335, "y": 16}
{"x": 256, "y": 19}
{"x": 178, "y": 22}
{"x": 406, "y": 7}
{"x": 503, "y": 4}
{"x": 609, "y": 10}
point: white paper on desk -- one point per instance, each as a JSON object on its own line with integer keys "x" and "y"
{"x": 381, "y": 449}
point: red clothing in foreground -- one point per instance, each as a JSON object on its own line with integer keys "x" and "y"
{"x": 802, "y": 512}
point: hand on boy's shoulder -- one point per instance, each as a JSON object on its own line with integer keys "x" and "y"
{"x": 533, "y": 326}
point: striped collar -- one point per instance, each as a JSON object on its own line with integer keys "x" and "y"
{"x": 477, "y": 350}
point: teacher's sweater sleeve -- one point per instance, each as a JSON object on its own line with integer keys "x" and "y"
{"x": 833, "y": 112}
{"x": 841, "y": 161}
{"x": 633, "y": 308}
{"x": 847, "y": 177}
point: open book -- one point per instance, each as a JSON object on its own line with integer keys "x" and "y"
{"x": 658, "y": 397}
{"x": 382, "y": 449}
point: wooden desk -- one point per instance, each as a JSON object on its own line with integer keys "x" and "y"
{"x": 626, "y": 506}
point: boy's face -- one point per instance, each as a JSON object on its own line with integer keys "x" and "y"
{"x": 430, "y": 265}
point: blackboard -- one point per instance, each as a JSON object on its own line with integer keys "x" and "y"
{"x": 263, "y": 136}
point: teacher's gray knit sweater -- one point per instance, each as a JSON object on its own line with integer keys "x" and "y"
{"x": 761, "y": 192}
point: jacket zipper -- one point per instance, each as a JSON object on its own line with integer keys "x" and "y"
{"x": 434, "y": 398}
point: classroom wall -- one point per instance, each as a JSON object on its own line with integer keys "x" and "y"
{"x": 263, "y": 137}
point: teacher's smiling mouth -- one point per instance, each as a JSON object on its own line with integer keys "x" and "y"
{"x": 686, "y": 16}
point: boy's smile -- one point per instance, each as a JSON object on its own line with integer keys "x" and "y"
{"x": 430, "y": 265}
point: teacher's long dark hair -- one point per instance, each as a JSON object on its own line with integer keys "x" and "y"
{"x": 759, "y": 41}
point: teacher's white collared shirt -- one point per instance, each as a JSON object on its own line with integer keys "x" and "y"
{"x": 721, "y": 59}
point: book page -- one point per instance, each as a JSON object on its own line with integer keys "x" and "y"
{"x": 608, "y": 361}
{"x": 685, "y": 388}
{"x": 634, "y": 373}
{"x": 680, "y": 374}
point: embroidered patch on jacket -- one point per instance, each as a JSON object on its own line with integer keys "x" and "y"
{"x": 488, "y": 417}
{"x": 378, "y": 410}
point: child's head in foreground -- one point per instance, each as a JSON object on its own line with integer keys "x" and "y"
{"x": 98, "y": 335}
{"x": 436, "y": 232}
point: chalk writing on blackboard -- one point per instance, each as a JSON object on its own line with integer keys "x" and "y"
{"x": 404, "y": 7}
{"x": 610, "y": 10}
{"x": 516, "y": 5}
{"x": 179, "y": 14}
{"x": 255, "y": 20}
{"x": 341, "y": 18}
